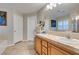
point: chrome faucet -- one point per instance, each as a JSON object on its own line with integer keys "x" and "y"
{"x": 68, "y": 35}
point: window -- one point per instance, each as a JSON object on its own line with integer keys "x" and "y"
{"x": 63, "y": 25}
{"x": 60, "y": 25}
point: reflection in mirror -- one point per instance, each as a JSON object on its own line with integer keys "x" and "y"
{"x": 76, "y": 24}
{"x": 60, "y": 24}
{"x": 66, "y": 17}
{"x": 53, "y": 25}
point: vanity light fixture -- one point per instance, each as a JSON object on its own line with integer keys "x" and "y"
{"x": 59, "y": 3}
{"x": 77, "y": 17}
{"x": 49, "y": 7}
{"x": 52, "y": 5}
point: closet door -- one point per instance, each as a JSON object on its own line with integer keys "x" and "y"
{"x": 31, "y": 25}
{"x": 17, "y": 28}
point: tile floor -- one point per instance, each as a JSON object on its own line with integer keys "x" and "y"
{"x": 20, "y": 48}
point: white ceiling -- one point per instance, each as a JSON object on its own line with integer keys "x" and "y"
{"x": 24, "y": 8}
{"x": 64, "y": 9}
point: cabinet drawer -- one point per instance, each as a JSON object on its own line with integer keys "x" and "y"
{"x": 44, "y": 50}
{"x": 43, "y": 53}
{"x": 53, "y": 50}
{"x": 44, "y": 43}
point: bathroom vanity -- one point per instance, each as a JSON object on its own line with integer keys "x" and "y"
{"x": 46, "y": 44}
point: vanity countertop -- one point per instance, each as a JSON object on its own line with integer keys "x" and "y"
{"x": 71, "y": 45}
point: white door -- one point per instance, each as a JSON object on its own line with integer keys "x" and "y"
{"x": 18, "y": 28}
{"x": 31, "y": 24}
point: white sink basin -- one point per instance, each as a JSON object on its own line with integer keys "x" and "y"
{"x": 65, "y": 40}
{"x": 72, "y": 41}
{"x": 62, "y": 39}
{"x": 69, "y": 41}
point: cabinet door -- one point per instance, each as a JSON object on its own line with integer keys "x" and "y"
{"x": 44, "y": 50}
{"x": 38, "y": 45}
{"x": 44, "y": 47}
{"x": 53, "y": 50}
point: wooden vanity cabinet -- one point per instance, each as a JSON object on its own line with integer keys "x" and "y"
{"x": 38, "y": 45}
{"x": 53, "y": 50}
{"x": 43, "y": 47}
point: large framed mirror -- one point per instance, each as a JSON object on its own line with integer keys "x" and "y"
{"x": 66, "y": 17}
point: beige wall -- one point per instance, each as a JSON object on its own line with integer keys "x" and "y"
{"x": 6, "y": 32}
{"x": 24, "y": 27}
{"x": 44, "y": 15}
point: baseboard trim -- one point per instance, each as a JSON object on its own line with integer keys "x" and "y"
{"x": 10, "y": 44}
{"x": 18, "y": 42}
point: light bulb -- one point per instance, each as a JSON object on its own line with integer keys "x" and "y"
{"x": 59, "y": 3}
{"x": 54, "y": 4}
{"x": 77, "y": 17}
{"x": 51, "y": 7}
{"x": 48, "y": 6}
